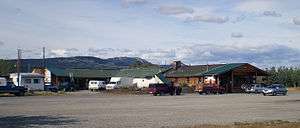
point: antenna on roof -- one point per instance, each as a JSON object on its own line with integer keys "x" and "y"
{"x": 206, "y": 65}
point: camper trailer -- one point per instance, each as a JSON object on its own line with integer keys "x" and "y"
{"x": 31, "y": 81}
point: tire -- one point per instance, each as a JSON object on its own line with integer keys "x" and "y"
{"x": 264, "y": 94}
{"x": 154, "y": 94}
{"x": 20, "y": 94}
{"x": 274, "y": 94}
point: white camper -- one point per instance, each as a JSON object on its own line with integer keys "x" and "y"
{"x": 117, "y": 82}
{"x": 31, "y": 81}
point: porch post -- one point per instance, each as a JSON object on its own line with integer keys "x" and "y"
{"x": 232, "y": 81}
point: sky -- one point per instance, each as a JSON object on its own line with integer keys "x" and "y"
{"x": 261, "y": 32}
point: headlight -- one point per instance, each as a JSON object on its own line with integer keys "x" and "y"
{"x": 268, "y": 90}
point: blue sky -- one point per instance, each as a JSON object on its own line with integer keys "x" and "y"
{"x": 265, "y": 33}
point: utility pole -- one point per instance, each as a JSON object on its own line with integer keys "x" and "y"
{"x": 44, "y": 65}
{"x": 19, "y": 65}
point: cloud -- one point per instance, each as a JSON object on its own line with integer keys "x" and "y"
{"x": 237, "y": 35}
{"x": 264, "y": 56}
{"x": 296, "y": 20}
{"x": 174, "y": 10}
{"x": 127, "y": 3}
{"x": 72, "y": 50}
{"x": 239, "y": 18}
{"x": 208, "y": 18}
{"x": 1, "y": 43}
{"x": 255, "y": 6}
{"x": 271, "y": 14}
{"x": 57, "y": 53}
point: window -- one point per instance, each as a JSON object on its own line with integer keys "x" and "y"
{"x": 36, "y": 81}
{"x": 28, "y": 81}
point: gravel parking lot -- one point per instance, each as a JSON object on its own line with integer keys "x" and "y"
{"x": 86, "y": 109}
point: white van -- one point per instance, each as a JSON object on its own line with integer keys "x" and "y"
{"x": 117, "y": 82}
{"x": 96, "y": 85}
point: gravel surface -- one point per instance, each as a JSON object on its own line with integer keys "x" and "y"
{"x": 86, "y": 109}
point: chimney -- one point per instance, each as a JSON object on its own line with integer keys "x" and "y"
{"x": 176, "y": 64}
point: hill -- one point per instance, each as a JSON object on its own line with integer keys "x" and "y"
{"x": 82, "y": 62}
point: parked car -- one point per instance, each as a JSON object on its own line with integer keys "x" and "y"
{"x": 51, "y": 88}
{"x": 66, "y": 87}
{"x": 9, "y": 87}
{"x": 211, "y": 90}
{"x": 161, "y": 89}
{"x": 275, "y": 89}
{"x": 254, "y": 88}
{"x": 96, "y": 85}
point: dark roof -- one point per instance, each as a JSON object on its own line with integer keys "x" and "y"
{"x": 187, "y": 71}
{"x": 221, "y": 69}
{"x": 139, "y": 72}
{"x": 89, "y": 73}
{"x": 206, "y": 70}
{"x": 84, "y": 73}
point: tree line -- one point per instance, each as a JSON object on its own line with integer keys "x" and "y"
{"x": 6, "y": 67}
{"x": 289, "y": 76}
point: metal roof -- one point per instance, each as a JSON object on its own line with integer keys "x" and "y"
{"x": 221, "y": 69}
{"x": 90, "y": 73}
{"x": 205, "y": 70}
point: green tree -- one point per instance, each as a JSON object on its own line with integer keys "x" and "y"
{"x": 6, "y": 67}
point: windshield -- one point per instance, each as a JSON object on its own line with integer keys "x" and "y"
{"x": 112, "y": 82}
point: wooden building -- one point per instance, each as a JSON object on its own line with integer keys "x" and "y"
{"x": 230, "y": 76}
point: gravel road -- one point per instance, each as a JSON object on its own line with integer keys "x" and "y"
{"x": 86, "y": 109}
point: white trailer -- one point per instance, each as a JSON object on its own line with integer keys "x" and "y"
{"x": 144, "y": 82}
{"x": 118, "y": 82}
{"x": 31, "y": 81}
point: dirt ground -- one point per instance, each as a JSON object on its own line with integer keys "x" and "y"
{"x": 97, "y": 109}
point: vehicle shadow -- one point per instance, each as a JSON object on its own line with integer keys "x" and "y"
{"x": 22, "y": 121}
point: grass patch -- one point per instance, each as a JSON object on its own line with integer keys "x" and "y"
{"x": 45, "y": 93}
{"x": 267, "y": 124}
{"x": 127, "y": 91}
{"x": 294, "y": 90}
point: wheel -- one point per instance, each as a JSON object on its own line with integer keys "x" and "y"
{"x": 20, "y": 94}
{"x": 154, "y": 94}
{"x": 274, "y": 94}
{"x": 160, "y": 93}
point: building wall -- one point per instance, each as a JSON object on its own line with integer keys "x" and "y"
{"x": 190, "y": 81}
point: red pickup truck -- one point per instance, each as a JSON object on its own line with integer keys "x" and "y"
{"x": 161, "y": 89}
{"x": 210, "y": 89}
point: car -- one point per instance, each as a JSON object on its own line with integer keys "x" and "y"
{"x": 51, "y": 88}
{"x": 9, "y": 87}
{"x": 66, "y": 87}
{"x": 275, "y": 89}
{"x": 254, "y": 88}
{"x": 211, "y": 90}
{"x": 161, "y": 89}
{"x": 96, "y": 85}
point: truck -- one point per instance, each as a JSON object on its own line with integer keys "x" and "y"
{"x": 118, "y": 82}
{"x": 162, "y": 88}
{"x": 96, "y": 85}
{"x": 9, "y": 87}
{"x": 209, "y": 86}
